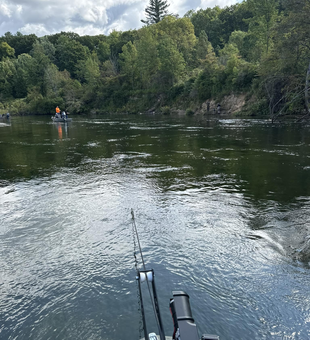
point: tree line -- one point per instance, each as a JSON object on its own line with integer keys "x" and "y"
{"x": 259, "y": 48}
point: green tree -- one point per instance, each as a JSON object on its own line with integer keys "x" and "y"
{"x": 147, "y": 60}
{"x": 42, "y": 61}
{"x": 25, "y": 75}
{"x": 207, "y": 20}
{"x": 207, "y": 83}
{"x": 129, "y": 59}
{"x": 52, "y": 80}
{"x": 156, "y": 11}
{"x": 91, "y": 41}
{"x": 21, "y": 43}
{"x": 7, "y": 73}
{"x": 238, "y": 38}
{"x": 6, "y": 51}
{"x": 71, "y": 91}
{"x": 181, "y": 31}
{"x": 233, "y": 19}
{"x": 203, "y": 46}
{"x": 88, "y": 70}
{"x": 284, "y": 71}
{"x": 115, "y": 49}
{"x": 230, "y": 59}
{"x": 103, "y": 51}
{"x": 47, "y": 48}
{"x": 68, "y": 53}
{"x": 172, "y": 63}
{"x": 108, "y": 69}
{"x": 261, "y": 26}
{"x": 292, "y": 39}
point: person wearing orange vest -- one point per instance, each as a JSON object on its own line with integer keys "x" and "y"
{"x": 57, "y": 112}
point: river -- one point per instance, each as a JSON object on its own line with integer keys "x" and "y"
{"x": 222, "y": 208}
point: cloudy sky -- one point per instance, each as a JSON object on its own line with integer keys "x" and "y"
{"x": 85, "y": 17}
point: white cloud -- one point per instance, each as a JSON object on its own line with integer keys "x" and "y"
{"x": 5, "y": 10}
{"x": 89, "y": 17}
{"x": 38, "y": 30}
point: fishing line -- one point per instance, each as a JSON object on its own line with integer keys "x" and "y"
{"x": 138, "y": 290}
{"x": 136, "y": 232}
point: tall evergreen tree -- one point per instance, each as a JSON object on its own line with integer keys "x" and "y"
{"x": 156, "y": 11}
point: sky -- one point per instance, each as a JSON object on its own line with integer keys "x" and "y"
{"x": 85, "y": 17}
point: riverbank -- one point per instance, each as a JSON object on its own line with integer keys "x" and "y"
{"x": 231, "y": 104}
{"x": 234, "y": 105}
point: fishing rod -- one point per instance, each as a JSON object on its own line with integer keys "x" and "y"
{"x": 183, "y": 321}
{"x": 148, "y": 277}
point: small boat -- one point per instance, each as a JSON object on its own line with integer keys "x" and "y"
{"x": 61, "y": 120}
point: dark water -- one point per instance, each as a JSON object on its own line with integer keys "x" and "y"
{"x": 222, "y": 209}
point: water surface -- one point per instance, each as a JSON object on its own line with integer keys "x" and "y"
{"x": 222, "y": 210}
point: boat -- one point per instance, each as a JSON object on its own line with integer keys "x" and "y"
{"x": 184, "y": 326}
{"x": 61, "y": 120}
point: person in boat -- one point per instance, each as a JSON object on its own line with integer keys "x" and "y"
{"x": 57, "y": 115}
{"x": 8, "y": 115}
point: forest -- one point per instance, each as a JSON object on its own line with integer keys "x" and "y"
{"x": 256, "y": 48}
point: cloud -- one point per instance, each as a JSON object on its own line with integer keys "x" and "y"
{"x": 85, "y": 17}
{"x": 5, "y": 10}
{"x": 182, "y": 6}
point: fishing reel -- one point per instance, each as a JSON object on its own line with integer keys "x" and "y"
{"x": 183, "y": 322}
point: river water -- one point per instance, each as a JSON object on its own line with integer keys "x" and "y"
{"x": 222, "y": 208}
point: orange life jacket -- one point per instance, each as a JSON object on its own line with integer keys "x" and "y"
{"x": 57, "y": 109}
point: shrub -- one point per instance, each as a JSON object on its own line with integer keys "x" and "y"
{"x": 165, "y": 110}
{"x": 189, "y": 112}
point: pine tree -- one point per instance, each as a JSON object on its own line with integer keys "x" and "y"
{"x": 156, "y": 11}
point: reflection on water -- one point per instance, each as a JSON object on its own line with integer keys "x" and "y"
{"x": 63, "y": 130}
{"x": 222, "y": 209}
